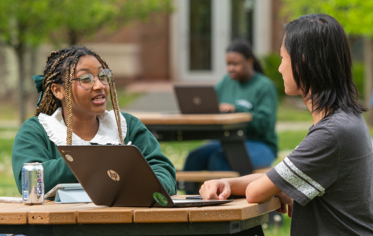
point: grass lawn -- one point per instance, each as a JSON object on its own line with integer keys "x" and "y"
{"x": 7, "y": 113}
{"x": 293, "y": 109}
{"x": 7, "y": 183}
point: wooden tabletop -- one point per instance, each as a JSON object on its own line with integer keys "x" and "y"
{"x": 53, "y": 213}
{"x": 152, "y": 118}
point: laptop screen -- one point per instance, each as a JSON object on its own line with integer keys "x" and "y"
{"x": 197, "y": 99}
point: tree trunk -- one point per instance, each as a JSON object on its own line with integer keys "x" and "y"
{"x": 20, "y": 51}
{"x": 368, "y": 77}
{"x": 73, "y": 37}
{"x": 34, "y": 70}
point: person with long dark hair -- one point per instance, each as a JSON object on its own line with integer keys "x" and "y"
{"x": 244, "y": 89}
{"x": 326, "y": 183}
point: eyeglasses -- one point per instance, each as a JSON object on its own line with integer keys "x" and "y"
{"x": 88, "y": 80}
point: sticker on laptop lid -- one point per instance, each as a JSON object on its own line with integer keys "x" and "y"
{"x": 113, "y": 175}
{"x": 69, "y": 158}
{"x": 160, "y": 199}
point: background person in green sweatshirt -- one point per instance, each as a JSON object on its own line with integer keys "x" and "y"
{"x": 244, "y": 89}
{"x": 72, "y": 111}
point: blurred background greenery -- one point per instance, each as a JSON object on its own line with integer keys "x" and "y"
{"x": 272, "y": 61}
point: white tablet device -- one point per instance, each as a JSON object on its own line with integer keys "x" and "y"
{"x": 53, "y": 191}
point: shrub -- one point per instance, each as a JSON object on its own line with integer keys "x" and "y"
{"x": 358, "y": 76}
{"x": 272, "y": 61}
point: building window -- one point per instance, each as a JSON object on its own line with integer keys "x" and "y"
{"x": 200, "y": 40}
{"x": 242, "y": 19}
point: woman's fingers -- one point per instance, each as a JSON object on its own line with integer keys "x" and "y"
{"x": 286, "y": 204}
{"x": 212, "y": 192}
{"x": 290, "y": 209}
{"x": 215, "y": 189}
{"x": 207, "y": 191}
{"x": 282, "y": 209}
{"x": 225, "y": 193}
{"x": 226, "y": 107}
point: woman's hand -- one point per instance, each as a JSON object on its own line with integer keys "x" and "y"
{"x": 215, "y": 189}
{"x": 285, "y": 200}
{"x": 226, "y": 107}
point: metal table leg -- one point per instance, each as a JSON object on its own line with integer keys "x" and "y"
{"x": 237, "y": 155}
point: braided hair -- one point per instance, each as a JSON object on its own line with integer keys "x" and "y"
{"x": 60, "y": 69}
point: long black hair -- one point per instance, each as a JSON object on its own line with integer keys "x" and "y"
{"x": 321, "y": 62}
{"x": 243, "y": 47}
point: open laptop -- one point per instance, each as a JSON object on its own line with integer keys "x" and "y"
{"x": 121, "y": 176}
{"x": 196, "y": 99}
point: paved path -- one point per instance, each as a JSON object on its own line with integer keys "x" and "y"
{"x": 8, "y": 129}
{"x": 9, "y": 124}
{"x": 154, "y": 102}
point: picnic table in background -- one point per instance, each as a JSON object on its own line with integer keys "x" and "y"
{"x": 228, "y": 128}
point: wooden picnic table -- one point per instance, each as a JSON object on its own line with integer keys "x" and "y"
{"x": 50, "y": 218}
{"x": 228, "y": 128}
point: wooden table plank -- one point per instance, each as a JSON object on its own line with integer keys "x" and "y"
{"x": 159, "y": 215}
{"x": 13, "y": 218}
{"x": 10, "y": 206}
{"x": 93, "y": 214}
{"x": 104, "y": 217}
{"x": 13, "y": 213}
{"x": 149, "y": 118}
{"x": 234, "y": 211}
{"x": 63, "y": 217}
{"x": 46, "y": 213}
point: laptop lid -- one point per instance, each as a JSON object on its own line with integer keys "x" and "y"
{"x": 197, "y": 99}
{"x": 119, "y": 176}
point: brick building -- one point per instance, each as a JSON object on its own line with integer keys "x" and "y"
{"x": 187, "y": 45}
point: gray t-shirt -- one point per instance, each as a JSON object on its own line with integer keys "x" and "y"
{"x": 330, "y": 177}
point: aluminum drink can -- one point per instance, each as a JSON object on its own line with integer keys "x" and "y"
{"x": 32, "y": 183}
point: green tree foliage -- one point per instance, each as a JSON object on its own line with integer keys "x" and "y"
{"x": 78, "y": 19}
{"x": 29, "y": 23}
{"x": 271, "y": 63}
{"x": 354, "y": 15}
{"x": 23, "y": 24}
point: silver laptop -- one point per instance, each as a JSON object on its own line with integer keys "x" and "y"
{"x": 197, "y": 99}
{"x": 121, "y": 176}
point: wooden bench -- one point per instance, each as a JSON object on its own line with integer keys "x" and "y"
{"x": 202, "y": 176}
{"x": 262, "y": 170}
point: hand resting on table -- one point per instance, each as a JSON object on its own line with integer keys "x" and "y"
{"x": 257, "y": 188}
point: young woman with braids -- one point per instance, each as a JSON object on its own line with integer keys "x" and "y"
{"x": 75, "y": 87}
{"x": 244, "y": 89}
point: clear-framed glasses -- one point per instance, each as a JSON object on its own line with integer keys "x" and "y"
{"x": 88, "y": 80}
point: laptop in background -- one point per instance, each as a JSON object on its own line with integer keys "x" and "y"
{"x": 121, "y": 176}
{"x": 196, "y": 99}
